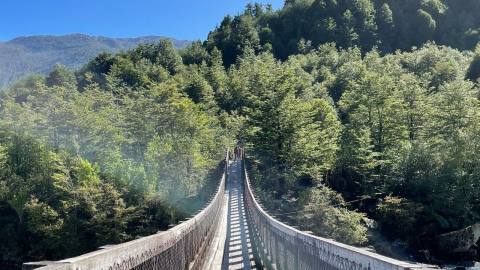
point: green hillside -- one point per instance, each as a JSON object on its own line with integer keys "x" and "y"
{"x": 386, "y": 24}
{"x": 37, "y": 54}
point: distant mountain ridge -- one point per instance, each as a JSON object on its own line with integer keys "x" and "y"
{"x": 38, "y": 54}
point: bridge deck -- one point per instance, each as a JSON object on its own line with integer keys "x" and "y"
{"x": 220, "y": 237}
{"x": 238, "y": 250}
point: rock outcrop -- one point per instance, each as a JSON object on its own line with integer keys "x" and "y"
{"x": 462, "y": 244}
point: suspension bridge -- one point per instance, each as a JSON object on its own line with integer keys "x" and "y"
{"x": 232, "y": 232}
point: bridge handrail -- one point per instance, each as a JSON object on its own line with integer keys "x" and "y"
{"x": 280, "y": 246}
{"x": 181, "y": 247}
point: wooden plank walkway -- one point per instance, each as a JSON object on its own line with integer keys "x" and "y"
{"x": 238, "y": 249}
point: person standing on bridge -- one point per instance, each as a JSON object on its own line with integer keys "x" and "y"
{"x": 238, "y": 152}
{"x": 235, "y": 151}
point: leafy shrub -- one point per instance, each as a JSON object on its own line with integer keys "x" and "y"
{"x": 399, "y": 215}
{"x": 325, "y": 214}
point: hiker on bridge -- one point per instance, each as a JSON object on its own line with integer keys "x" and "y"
{"x": 238, "y": 152}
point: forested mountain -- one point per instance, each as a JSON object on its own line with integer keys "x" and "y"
{"x": 37, "y": 54}
{"x": 352, "y": 139}
{"x": 386, "y": 24}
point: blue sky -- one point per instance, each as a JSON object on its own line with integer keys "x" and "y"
{"x": 181, "y": 19}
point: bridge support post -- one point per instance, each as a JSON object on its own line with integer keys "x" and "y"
{"x": 277, "y": 253}
{"x": 271, "y": 247}
{"x": 297, "y": 251}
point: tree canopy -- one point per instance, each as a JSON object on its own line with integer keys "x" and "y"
{"x": 386, "y": 24}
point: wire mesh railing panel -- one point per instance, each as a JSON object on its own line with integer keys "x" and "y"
{"x": 282, "y": 247}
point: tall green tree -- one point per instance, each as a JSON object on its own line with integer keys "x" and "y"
{"x": 473, "y": 72}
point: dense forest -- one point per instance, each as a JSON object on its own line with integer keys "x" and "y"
{"x": 396, "y": 136}
{"x": 386, "y": 24}
{"x": 356, "y": 125}
{"x": 116, "y": 151}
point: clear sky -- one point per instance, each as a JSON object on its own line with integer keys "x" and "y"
{"x": 181, "y": 19}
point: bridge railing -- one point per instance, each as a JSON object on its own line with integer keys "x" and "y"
{"x": 279, "y": 246}
{"x": 181, "y": 247}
